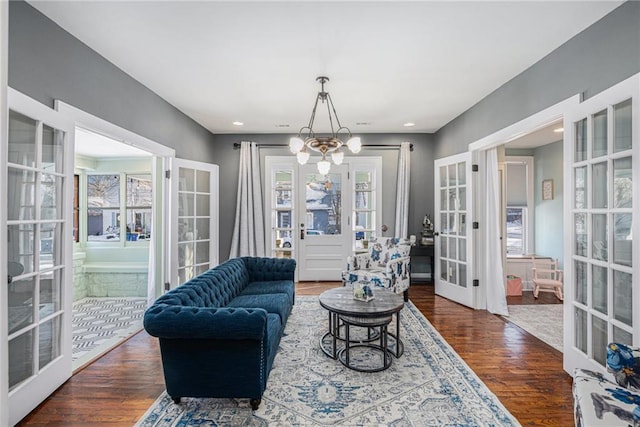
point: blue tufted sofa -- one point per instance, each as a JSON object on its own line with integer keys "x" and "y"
{"x": 219, "y": 332}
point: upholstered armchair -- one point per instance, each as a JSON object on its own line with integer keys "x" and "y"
{"x": 386, "y": 265}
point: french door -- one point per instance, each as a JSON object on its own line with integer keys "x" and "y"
{"x": 194, "y": 219}
{"x": 323, "y": 225}
{"x": 453, "y": 248}
{"x": 602, "y": 290}
{"x": 38, "y": 196}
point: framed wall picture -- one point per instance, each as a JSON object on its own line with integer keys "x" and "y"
{"x": 547, "y": 189}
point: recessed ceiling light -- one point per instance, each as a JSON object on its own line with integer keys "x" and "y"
{"x": 282, "y": 126}
{"x": 238, "y": 123}
{"x": 558, "y": 130}
{"x": 409, "y": 124}
{"x": 363, "y": 123}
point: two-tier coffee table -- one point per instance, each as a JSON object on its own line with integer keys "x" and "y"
{"x": 375, "y": 315}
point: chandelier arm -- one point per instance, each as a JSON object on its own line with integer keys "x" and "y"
{"x": 347, "y": 129}
{"x": 330, "y": 104}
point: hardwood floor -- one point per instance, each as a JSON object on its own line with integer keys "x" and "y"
{"x": 525, "y": 373}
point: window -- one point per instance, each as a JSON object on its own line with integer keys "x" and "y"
{"x": 516, "y": 230}
{"x": 105, "y": 210}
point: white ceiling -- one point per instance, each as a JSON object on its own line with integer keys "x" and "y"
{"x": 389, "y": 62}
{"x": 94, "y": 145}
{"x": 539, "y": 137}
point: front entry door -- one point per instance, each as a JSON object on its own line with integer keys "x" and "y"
{"x": 323, "y": 228}
{"x": 453, "y": 244}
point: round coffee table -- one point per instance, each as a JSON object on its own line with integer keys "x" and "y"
{"x": 345, "y": 312}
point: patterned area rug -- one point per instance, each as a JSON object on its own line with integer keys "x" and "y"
{"x": 99, "y": 324}
{"x": 429, "y": 385}
{"x": 544, "y": 321}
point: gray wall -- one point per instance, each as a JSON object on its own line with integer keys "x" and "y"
{"x": 548, "y": 214}
{"x": 47, "y": 63}
{"x": 421, "y": 198}
{"x": 599, "y": 57}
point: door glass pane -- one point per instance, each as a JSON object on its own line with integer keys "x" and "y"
{"x": 443, "y": 176}
{"x": 364, "y": 220}
{"x": 20, "y": 194}
{"x": 581, "y": 282}
{"x": 600, "y": 185}
{"x": 283, "y": 188}
{"x": 443, "y": 247}
{"x": 452, "y": 199}
{"x": 453, "y": 273}
{"x": 462, "y": 177}
{"x": 203, "y": 205}
{"x": 443, "y": 224}
{"x": 202, "y": 229}
{"x": 50, "y": 334}
{"x": 203, "y": 181}
{"x": 453, "y": 247}
{"x": 581, "y": 140}
{"x": 462, "y": 198}
{"x": 580, "y": 201}
{"x": 600, "y": 134}
{"x": 462, "y": 249}
{"x": 50, "y": 196}
{"x": 599, "y": 339}
{"x": 20, "y": 358}
{"x": 622, "y": 239}
{"x": 52, "y": 149}
{"x": 20, "y": 246}
{"x": 185, "y": 205}
{"x": 600, "y": 250}
{"x": 622, "y": 336}
{"x": 50, "y": 245}
{"x": 202, "y": 252}
{"x": 622, "y": 183}
{"x": 444, "y": 199}
{"x": 185, "y": 254}
{"x": 50, "y": 292}
{"x": 363, "y": 199}
{"x": 453, "y": 181}
{"x": 622, "y": 123}
{"x": 580, "y": 333}
{"x": 453, "y": 224}
{"x": 463, "y": 224}
{"x": 22, "y": 140}
{"x": 462, "y": 271}
{"x": 581, "y": 234}
{"x": 21, "y": 296}
{"x": 185, "y": 229}
{"x": 323, "y": 204}
{"x": 622, "y": 297}
{"x": 186, "y": 179}
{"x": 443, "y": 270}
{"x": 599, "y": 289}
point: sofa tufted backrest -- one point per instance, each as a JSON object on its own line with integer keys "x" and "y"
{"x": 213, "y": 288}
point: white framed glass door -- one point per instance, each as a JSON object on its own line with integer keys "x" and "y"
{"x": 323, "y": 228}
{"x": 453, "y": 205}
{"x": 38, "y": 196}
{"x": 194, "y": 219}
{"x": 602, "y": 150}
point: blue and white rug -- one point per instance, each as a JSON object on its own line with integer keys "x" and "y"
{"x": 429, "y": 385}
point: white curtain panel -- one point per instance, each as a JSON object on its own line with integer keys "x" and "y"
{"x": 402, "y": 191}
{"x": 248, "y": 232}
{"x": 496, "y": 296}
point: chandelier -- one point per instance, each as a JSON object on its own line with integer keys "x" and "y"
{"x": 323, "y": 144}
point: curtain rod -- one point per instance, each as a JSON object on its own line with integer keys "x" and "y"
{"x": 236, "y": 145}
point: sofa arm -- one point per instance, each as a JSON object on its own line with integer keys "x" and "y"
{"x": 170, "y": 321}
{"x": 263, "y": 269}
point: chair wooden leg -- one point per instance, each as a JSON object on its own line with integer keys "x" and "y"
{"x": 406, "y": 295}
{"x": 536, "y": 290}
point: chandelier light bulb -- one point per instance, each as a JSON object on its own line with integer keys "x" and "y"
{"x": 354, "y": 144}
{"x": 303, "y": 157}
{"x": 295, "y": 144}
{"x": 323, "y": 166}
{"x": 337, "y": 157}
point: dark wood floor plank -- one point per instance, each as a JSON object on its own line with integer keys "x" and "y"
{"x": 525, "y": 373}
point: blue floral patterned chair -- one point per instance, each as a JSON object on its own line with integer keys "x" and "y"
{"x": 598, "y": 401}
{"x": 386, "y": 265}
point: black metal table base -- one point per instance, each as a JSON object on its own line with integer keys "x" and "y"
{"x": 377, "y": 330}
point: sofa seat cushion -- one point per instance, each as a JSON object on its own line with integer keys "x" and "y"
{"x": 273, "y": 303}
{"x": 272, "y": 287}
{"x": 601, "y": 402}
